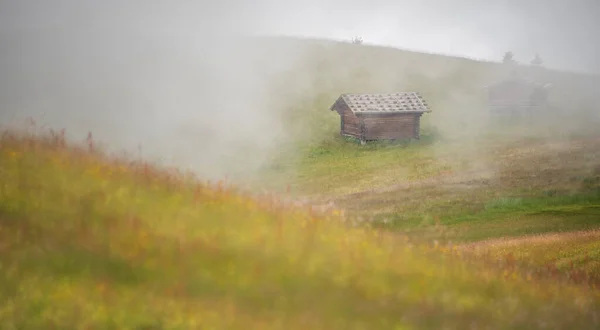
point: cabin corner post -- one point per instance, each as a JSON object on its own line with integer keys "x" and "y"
{"x": 417, "y": 124}
{"x": 342, "y": 124}
{"x": 362, "y": 131}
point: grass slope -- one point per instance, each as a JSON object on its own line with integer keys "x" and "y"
{"x": 456, "y": 193}
{"x": 307, "y": 76}
{"x": 90, "y": 242}
{"x": 312, "y": 74}
{"x": 469, "y": 178}
{"x": 574, "y": 251}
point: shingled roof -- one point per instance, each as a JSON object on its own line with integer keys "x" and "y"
{"x": 404, "y": 102}
{"x": 520, "y": 81}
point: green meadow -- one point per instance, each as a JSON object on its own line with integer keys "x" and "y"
{"x": 479, "y": 224}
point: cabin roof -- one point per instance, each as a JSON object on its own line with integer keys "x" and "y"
{"x": 520, "y": 81}
{"x": 402, "y": 102}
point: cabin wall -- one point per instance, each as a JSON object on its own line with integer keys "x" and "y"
{"x": 523, "y": 102}
{"x": 392, "y": 127}
{"x": 510, "y": 91}
{"x": 350, "y": 123}
{"x": 513, "y": 93}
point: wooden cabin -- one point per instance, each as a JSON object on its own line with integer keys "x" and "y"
{"x": 393, "y": 116}
{"x": 517, "y": 97}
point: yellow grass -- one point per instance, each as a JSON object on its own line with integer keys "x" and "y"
{"x": 93, "y": 242}
{"x": 576, "y": 252}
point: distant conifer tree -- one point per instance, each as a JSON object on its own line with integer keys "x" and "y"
{"x": 509, "y": 58}
{"x": 357, "y": 40}
{"x": 537, "y": 60}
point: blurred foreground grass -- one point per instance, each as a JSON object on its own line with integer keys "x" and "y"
{"x": 95, "y": 242}
{"x": 577, "y": 251}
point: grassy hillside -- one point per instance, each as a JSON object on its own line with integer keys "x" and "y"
{"x": 308, "y": 75}
{"x": 92, "y": 242}
{"x": 458, "y": 133}
{"x": 89, "y": 241}
{"x": 452, "y": 192}
{"x": 469, "y": 178}
{"x": 576, "y": 251}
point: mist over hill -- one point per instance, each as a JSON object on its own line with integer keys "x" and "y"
{"x": 187, "y": 85}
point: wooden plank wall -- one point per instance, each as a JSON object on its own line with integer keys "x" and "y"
{"x": 400, "y": 126}
{"x": 351, "y": 123}
{"x": 377, "y": 127}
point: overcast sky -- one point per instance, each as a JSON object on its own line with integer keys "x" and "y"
{"x": 562, "y": 31}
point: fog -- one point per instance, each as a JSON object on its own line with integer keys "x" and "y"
{"x": 182, "y": 79}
